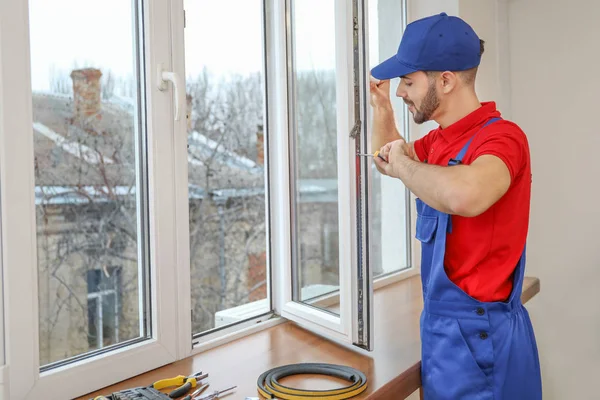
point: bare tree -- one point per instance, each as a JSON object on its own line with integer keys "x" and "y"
{"x": 228, "y": 113}
{"x": 316, "y": 124}
{"x": 59, "y": 81}
{"x": 87, "y": 213}
{"x": 87, "y": 221}
{"x": 108, "y": 84}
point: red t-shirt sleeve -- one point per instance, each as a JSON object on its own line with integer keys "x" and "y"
{"x": 423, "y": 145}
{"x": 509, "y": 145}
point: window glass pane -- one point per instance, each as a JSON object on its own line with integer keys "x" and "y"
{"x": 314, "y": 156}
{"x": 103, "y": 307}
{"x": 390, "y": 247}
{"x": 90, "y": 191}
{"x": 224, "y": 59}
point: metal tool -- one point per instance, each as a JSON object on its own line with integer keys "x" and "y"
{"x": 215, "y": 395}
{"x": 190, "y": 382}
{"x": 376, "y": 154}
{"x": 138, "y": 393}
{"x": 196, "y": 393}
{"x": 184, "y": 383}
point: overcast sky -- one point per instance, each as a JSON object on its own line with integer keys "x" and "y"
{"x": 223, "y": 35}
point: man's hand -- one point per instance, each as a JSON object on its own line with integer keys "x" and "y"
{"x": 465, "y": 190}
{"x": 380, "y": 94}
{"x": 393, "y": 153}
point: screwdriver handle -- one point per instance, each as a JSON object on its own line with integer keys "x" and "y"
{"x": 377, "y": 154}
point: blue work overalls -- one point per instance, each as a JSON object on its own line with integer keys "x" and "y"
{"x": 471, "y": 349}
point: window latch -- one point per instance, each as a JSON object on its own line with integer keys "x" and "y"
{"x": 162, "y": 78}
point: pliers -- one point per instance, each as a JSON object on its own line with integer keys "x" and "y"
{"x": 185, "y": 383}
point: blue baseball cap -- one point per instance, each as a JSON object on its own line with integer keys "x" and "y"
{"x": 436, "y": 43}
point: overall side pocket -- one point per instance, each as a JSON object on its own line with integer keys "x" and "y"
{"x": 426, "y": 227}
{"x": 450, "y": 370}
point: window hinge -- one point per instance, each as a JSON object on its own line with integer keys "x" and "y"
{"x": 355, "y": 129}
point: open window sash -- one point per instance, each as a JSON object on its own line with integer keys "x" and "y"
{"x": 339, "y": 305}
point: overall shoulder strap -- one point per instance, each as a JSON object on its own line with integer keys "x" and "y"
{"x": 459, "y": 157}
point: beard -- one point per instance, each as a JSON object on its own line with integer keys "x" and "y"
{"x": 429, "y": 104}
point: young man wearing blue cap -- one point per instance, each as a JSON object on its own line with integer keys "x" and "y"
{"x": 472, "y": 177}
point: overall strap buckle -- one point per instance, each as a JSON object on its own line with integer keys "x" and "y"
{"x": 459, "y": 157}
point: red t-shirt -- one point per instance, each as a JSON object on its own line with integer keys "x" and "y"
{"x": 483, "y": 251}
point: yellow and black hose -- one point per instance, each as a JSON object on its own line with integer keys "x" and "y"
{"x": 270, "y": 388}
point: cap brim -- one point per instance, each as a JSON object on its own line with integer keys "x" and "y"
{"x": 391, "y": 68}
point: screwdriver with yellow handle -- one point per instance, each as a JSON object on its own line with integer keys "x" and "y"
{"x": 376, "y": 154}
{"x": 185, "y": 383}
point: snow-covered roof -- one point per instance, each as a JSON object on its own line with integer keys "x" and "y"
{"x": 236, "y": 175}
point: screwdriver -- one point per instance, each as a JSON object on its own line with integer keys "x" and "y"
{"x": 216, "y": 394}
{"x": 376, "y": 154}
{"x": 196, "y": 393}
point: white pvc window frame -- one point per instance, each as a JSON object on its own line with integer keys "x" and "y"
{"x": 190, "y": 342}
{"x": 342, "y": 327}
{"x": 19, "y": 224}
{"x": 3, "y": 367}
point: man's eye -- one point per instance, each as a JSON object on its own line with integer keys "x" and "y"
{"x": 409, "y": 84}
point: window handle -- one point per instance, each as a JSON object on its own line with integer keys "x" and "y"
{"x": 163, "y": 77}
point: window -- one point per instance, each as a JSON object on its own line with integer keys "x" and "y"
{"x": 328, "y": 183}
{"x": 391, "y": 241}
{"x": 226, "y": 161}
{"x": 176, "y": 180}
{"x": 86, "y": 193}
{"x": 314, "y": 158}
{"x": 90, "y": 181}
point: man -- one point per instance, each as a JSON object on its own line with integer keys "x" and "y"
{"x": 472, "y": 177}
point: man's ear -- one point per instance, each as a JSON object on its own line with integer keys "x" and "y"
{"x": 448, "y": 81}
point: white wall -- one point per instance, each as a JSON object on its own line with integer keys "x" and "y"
{"x": 555, "y": 55}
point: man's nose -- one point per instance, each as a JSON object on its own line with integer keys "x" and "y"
{"x": 401, "y": 92}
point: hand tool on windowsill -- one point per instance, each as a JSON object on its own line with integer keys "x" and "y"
{"x": 196, "y": 393}
{"x": 215, "y": 395}
{"x": 185, "y": 383}
{"x": 376, "y": 154}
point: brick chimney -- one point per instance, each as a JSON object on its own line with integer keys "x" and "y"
{"x": 257, "y": 275}
{"x": 260, "y": 145}
{"x": 86, "y": 94}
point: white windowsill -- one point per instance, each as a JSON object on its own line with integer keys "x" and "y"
{"x": 258, "y": 324}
